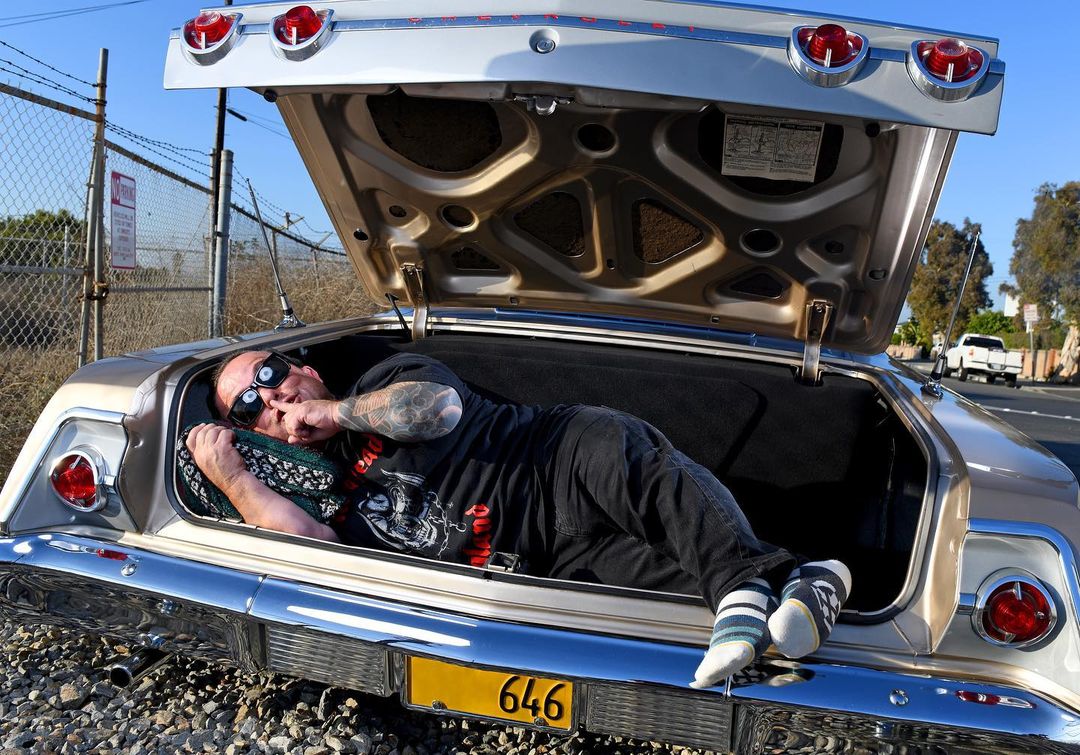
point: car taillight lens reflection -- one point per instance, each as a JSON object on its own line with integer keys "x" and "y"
{"x": 1017, "y": 612}
{"x": 830, "y": 45}
{"x": 949, "y": 59}
{"x": 207, "y": 29}
{"x": 74, "y": 480}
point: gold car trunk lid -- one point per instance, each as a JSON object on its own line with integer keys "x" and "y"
{"x": 670, "y": 161}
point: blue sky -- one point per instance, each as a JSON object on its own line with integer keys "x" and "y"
{"x": 992, "y": 179}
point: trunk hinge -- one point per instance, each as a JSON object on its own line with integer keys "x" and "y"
{"x": 414, "y": 283}
{"x": 818, "y": 314}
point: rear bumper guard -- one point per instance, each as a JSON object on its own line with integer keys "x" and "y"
{"x": 626, "y": 687}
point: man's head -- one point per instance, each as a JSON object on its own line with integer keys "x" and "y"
{"x": 241, "y": 384}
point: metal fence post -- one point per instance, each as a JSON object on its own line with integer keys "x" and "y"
{"x": 93, "y": 283}
{"x": 221, "y": 246}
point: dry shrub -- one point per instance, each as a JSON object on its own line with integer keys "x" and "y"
{"x": 329, "y": 290}
{"x": 28, "y": 379}
{"x": 133, "y": 321}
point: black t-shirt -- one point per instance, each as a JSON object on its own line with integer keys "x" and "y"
{"x": 457, "y": 498}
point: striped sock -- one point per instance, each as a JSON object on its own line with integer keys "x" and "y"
{"x": 740, "y": 632}
{"x": 809, "y": 605}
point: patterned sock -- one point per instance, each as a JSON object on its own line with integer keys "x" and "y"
{"x": 809, "y": 605}
{"x": 740, "y": 632}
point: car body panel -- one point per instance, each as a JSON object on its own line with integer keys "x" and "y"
{"x": 657, "y": 75}
{"x": 916, "y": 671}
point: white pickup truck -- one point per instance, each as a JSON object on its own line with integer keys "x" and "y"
{"x": 983, "y": 354}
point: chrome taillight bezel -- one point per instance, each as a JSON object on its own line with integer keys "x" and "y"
{"x": 205, "y": 56}
{"x": 944, "y": 91}
{"x": 308, "y": 47}
{"x": 819, "y": 75}
{"x": 1005, "y": 577}
{"x": 97, "y": 464}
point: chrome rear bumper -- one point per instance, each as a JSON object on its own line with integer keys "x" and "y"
{"x": 626, "y": 687}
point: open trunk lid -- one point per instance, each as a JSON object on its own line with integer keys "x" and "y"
{"x": 672, "y": 161}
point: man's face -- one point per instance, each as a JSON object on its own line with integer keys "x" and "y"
{"x": 302, "y": 384}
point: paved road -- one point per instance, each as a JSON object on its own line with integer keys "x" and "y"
{"x": 1048, "y": 414}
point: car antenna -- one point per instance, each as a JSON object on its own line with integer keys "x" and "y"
{"x": 288, "y": 319}
{"x": 932, "y": 386}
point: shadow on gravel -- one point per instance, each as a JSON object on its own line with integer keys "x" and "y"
{"x": 54, "y": 700}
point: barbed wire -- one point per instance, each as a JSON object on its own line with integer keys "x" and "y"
{"x": 156, "y": 142}
{"x": 177, "y": 158}
{"x": 312, "y": 228}
{"x": 259, "y": 195}
{"x": 37, "y": 78}
{"x": 43, "y": 63}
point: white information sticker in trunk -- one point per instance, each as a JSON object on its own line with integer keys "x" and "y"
{"x": 782, "y": 149}
{"x": 122, "y": 222}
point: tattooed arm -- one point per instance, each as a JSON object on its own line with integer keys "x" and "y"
{"x": 409, "y": 411}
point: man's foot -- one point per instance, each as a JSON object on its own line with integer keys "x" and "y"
{"x": 809, "y": 605}
{"x": 740, "y": 632}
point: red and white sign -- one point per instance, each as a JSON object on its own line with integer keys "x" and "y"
{"x": 122, "y": 222}
{"x": 1031, "y": 313}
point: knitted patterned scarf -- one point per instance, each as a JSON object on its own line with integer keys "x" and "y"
{"x": 304, "y": 476}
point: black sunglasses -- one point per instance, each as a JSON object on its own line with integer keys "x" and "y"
{"x": 269, "y": 374}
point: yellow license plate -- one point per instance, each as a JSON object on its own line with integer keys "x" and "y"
{"x": 491, "y": 694}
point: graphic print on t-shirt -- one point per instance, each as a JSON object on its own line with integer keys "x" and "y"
{"x": 406, "y": 514}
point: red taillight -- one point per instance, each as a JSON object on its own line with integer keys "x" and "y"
{"x": 298, "y": 25}
{"x": 207, "y": 29}
{"x": 74, "y": 480}
{"x": 301, "y": 24}
{"x": 830, "y": 45}
{"x": 949, "y": 59}
{"x": 1017, "y": 612}
{"x": 300, "y": 32}
{"x": 985, "y": 698}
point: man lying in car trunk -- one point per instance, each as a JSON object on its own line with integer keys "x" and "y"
{"x": 577, "y": 492}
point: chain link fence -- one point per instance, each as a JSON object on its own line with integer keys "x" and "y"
{"x": 46, "y": 271}
{"x": 320, "y": 283}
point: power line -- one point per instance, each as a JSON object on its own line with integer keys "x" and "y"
{"x": 33, "y": 18}
{"x": 273, "y": 131}
{"x": 43, "y": 63}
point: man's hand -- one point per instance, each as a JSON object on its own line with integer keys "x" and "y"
{"x": 308, "y": 421}
{"x": 212, "y": 448}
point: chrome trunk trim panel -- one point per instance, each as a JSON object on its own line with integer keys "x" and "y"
{"x": 660, "y": 715}
{"x": 325, "y": 658}
{"x": 352, "y": 624}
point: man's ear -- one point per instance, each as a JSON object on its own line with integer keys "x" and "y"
{"x": 310, "y": 372}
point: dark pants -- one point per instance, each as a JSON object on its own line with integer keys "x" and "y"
{"x": 624, "y": 507}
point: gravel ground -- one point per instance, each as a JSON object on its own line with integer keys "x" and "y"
{"x": 54, "y": 700}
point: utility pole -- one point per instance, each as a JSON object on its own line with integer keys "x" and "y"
{"x": 215, "y": 179}
{"x": 94, "y": 290}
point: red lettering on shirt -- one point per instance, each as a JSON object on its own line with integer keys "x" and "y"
{"x": 478, "y": 549}
{"x": 369, "y": 454}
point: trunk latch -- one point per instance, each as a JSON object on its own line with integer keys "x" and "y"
{"x": 414, "y": 282}
{"x": 818, "y": 314}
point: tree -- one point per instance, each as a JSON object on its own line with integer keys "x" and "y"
{"x": 909, "y": 332}
{"x": 37, "y": 238}
{"x": 937, "y": 280}
{"x": 1046, "y": 264}
{"x": 989, "y": 323}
